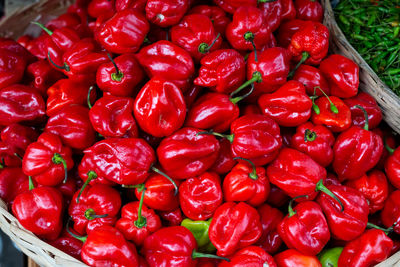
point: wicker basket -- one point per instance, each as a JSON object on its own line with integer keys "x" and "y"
{"x": 18, "y": 24}
{"x": 388, "y": 101}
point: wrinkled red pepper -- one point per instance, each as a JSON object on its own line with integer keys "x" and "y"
{"x": 272, "y": 12}
{"x": 225, "y": 161}
{"x": 392, "y": 167}
{"x": 12, "y": 183}
{"x": 250, "y": 256}
{"x": 309, "y": 10}
{"x": 216, "y": 14}
{"x": 292, "y": 257}
{"x": 311, "y": 77}
{"x": 270, "y": 217}
{"x": 166, "y": 13}
{"x": 390, "y": 214}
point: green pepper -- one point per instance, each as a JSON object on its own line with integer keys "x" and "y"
{"x": 199, "y": 230}
{"x": 329, "y": 257}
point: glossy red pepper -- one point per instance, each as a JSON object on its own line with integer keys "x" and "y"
{"x": 390, "y": 214}
{"x": 234, "y": 226}
{"x": 138, "y": 5}
{"x": 124, "y": 32}
{"x": 350, "y": 222}
{"x": 166, "y": 13}
{"x": 93, "y": 207}
{"x": 12, "y": 67}
{"x": 36, "y": 46}
{"x": 225, "y": 161}
{"x": 17, "y": 137}
{"x": 250, "y": 256}
{"x": 73, "y": 125}
{"x": 309, "y": 10}
{"x": 187, "y": 153}
{"x": 200, "y": 196}
{"x": 390, "y": 141}
{"x": 15, "y": 47}
{"x": 104, "y": 8}
{"x": 342, "y": 75}
{"x": 392, "y": 168}
{"x": 68, "y": 244}
{"x": 47, "y": 160}
{"x": 12, "y": 183}
{"x": 247, "y": 31}
{"x": 66, "y": 92}
{"x": 292, "y": 257}
{"x": 372, "y": 247}
{"x": 311, "y": 77}
{"x": 272, "y": 12}
{"x": 316, "y": 141}
{"x": 177, "y": 64}
{"x": 305, "y": 228}
{"x": 231, "y": 6}
{"x": 172, "y": 218}
{"x": 289, "y": 105}
{"x": 217, "y": 15}
{"x": 374, "y": 186}
{"x": 192, "y": 94}
{"x": 63, "y": 20}
{"x": 288, "y": 10}
{"x": 160, "y": 108}
{"x": 8, "y": 156}
{"x": 112, "y": 116}
{"x": 246, "y": 183}
{"x": 120, "y": 76}
{"x": 40, "y": 210}
{"x": 20, "y": 104}
{"x": 287, "y": 29}
{"x": 270, "y": 217}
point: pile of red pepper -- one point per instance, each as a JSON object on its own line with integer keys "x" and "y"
{"x": 196, "y": 133}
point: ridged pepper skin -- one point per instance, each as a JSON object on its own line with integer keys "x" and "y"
{"x": 391, "y": 212}
{"x": 234, "y": 226}
{"x": 166, "y": 13}
{"x": 349, "y": 223}
{"x": 270, "y": 218}
{"x": 371, "y": 248}
{"x": 186, "y": 154}
{"x": 222, "y": 71}
{"x": 112, "y": 116}
{"x": 106, "y": 246}
{"x": 272, "y": 13}
{"x": 196, "y": 38}
{"x": 18, "y": 137}
{"x": 375, "y": 188}
{"x": 309, "y": 10}
{"x": 342, "y": 75}
{"x": 256, "y": 138}
{"x": 12, "y": 183}
{"x": 72, "y": 124}
{"x": 289, "y": 106}
{"x": 40, "y": 211}
{"x": 356, "y": 151}
{"x": 12, "y": 67}
{"x": 392, "y": 168}
{"x": 217, "y": 15}
{"x": 305, "y": 228}
{"x": 225, "y": 161}
{"x": 96, "y": 206}
{"x": 47, "y": 160}
{"x": 311, "y": 77}
{"x": 292, "y": 257}
{"x": 121, "y": 82}
{"x": 200, "y": 196}
{"x": 296, "y": 173}
{"x": 316, "y": 141}
{"x": 247, "y": 184}
{"x": 125, "y": 161}
{"x": 20, "y": 104}
{"x": 168, "y": 61}
{"x": 288, "y": 10}
{"x": 287, "y": 29}
{"x": 230, "y": 6}
{"x": 124, "y": 32}
{"x": 160, "y": 108}
{"x": 172, "y": 217}
{"x": 250, "y": 256}
{"x": 247, "y": 27}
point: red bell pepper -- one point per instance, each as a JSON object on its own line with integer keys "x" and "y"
{"x": 66, "y": 92}
{"x": 246, "y": 183}
{"x": 15, "y": 47}
{"x": 247, "y": 31}
{"x": 311, "y": 77}
{"x": 225, "y": 161}
{"x": 166, "y": 13}
{"x": 348, "y": 222}
{"x": 124, "y": 32}
{"x": 120, "y": 76}
{"x": 272, "y": 13}
{"x": 93, "y": 207}
{"x": 390, "y": 214}
{"x": 20, "y": 104}
{"x": 316, "y": 141}
{"x": 177, "y": 64}
{"x": 47, "y": 160}
{"x": 372, "y": 247}
{"x": 112, "y": 116}
{"x": 369, "y": 104}
{"x": 160, "y": 108}
{"x": 234, "y": 226}
{"x": 392, "y": 167}
{"x": 40, "y": 210}
{"x": 305, "y": 228}
{"x": 36, "y": 46}
{"x": 12, "y": 183}
{"x": 222, "y": 71}
{"x": 288, "y": 10}
{"x": 375, "y": 188}
{"x": 289, "y": 105}
{"x": 292, "y": 257}
{"x": 187, "y": 153}
{"x": 103, "y": 8}
{"x": 250, "y": 256}
{"x": 342, "y": 75}
{"x": 287, "y": 29}
{"x": 137, "y": 221}
{"x": 270, "y": 217}
{"x": 73, "y": 125}
{"x": 68, "y": 244}
{"x": 309, "y": 10}
{"x": 217, "y": 15}
{"x": 200, "y": 196}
